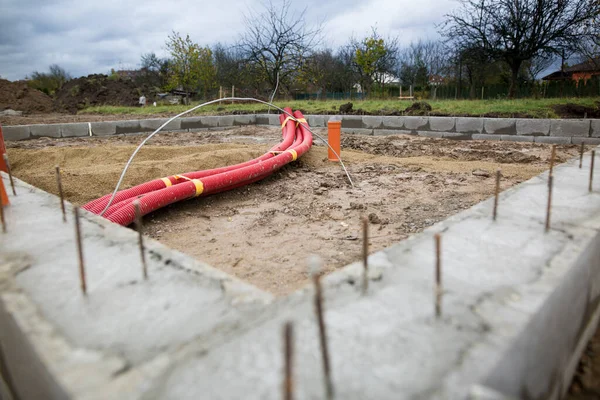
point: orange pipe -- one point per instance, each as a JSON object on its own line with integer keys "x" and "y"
{"x": 334, "y": 131}
{"x": 3, "y": 166}
{"x": 3, "y": 195}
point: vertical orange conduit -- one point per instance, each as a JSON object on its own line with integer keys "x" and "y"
{"x": 334, "y": 130}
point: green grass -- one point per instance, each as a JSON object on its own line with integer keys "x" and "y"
{"x": 531, "y": 108}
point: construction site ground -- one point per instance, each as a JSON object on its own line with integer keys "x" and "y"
{"x": 264, "y": 232}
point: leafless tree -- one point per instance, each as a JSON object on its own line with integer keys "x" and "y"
{"x": 277, "y": 41}
{"x": 519, "y": 30}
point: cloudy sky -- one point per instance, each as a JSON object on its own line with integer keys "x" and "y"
{"x": 85, "y": 36}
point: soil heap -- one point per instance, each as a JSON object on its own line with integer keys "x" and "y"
{"x": 94, "y": 90}
{"x": 19, "y": 96}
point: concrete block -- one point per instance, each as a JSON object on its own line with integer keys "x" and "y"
{"x": 442, "y": 124}
{"x": 552, "y": 140}
{"x": 482, "y": 136}
{"x": 595, "y": 127}
{"x": 533, "y": 127}
{"x": 147, "y": 125}
{"x": 352, "y": 121}
{"x": 469, "y": 125}
{"x": 430, "y": 134}
{"x": 247, "y": 119}
{"x": 570, "y": 127}
{"x": 262, "y": 119}
{"x": 388, "y": 132}
{"x": 317, "y": 121}
{"x": 517, "y": 138}
{"x": 225, "y": 120}
{"x": 393, "y": 123}
{"x": 372, "y": 122}
{"x": 416, "y": 123}
{"x": 16, "y": 132}
{"x": 195, "y": 123}
{"x": 50, "y": 130}
{"x": 129, "y": 126}
{"x": 104, "y": 128}
{"x": 500, "y": 126}
{"x": 586, "y": 141}
{"x": 457, "y": 135}
{"x": 77, "y": 129}
{"x": 357, "y": 131}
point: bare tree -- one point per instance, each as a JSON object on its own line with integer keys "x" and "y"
{"x": 422, "y": 59}
{"x": 519, "y": 30}
{"x": 277, "y": 41}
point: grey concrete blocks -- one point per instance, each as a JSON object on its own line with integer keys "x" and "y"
{"x": 105, "y": 128}
{"x": 357, "y": 131}
{"x": 226, "y": 120}
{"x": 316, "y": 121}
{"x": 500, "y": 126}
{"x": 457, "y": 136}
{"x": 483, "y": 136}
{"x": 352, "y": 121}
{"x": 552, "y": 140}
{"x": 388, "y": 132}
{"x": 394, "y": 123}
{"x": 586, "y": 141}
{"x": 17, "y": 132}
{"x": 442, "y": 124}
{"x": 372, "y": 121}
{"x": 193, "y": 123}
{"x": 533, "y": 127}
{"x": 469, "y": 125}
{"x": 595, "y": 128}
{"x": 517, "y": 138}
{"x": 128, "y": 126}
{"x": 430, "y": 134}
{"x": 37, "y": 131}
{"x": 77, "y": 129}
{"x": 415, "y": 123}
{"x": 245, "y": 119}
{"x": 570, "y": 127}
{"x": 154, "y": 124}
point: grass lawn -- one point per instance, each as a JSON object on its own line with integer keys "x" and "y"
{"x": 527, "y": 108}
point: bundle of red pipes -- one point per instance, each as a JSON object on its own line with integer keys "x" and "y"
{"x": 159, "y": 193}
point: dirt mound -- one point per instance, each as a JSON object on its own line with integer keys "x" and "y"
{"x": 418, "y": 108}
{"x": 19, "y": 96}
{"x": 571, "y": 110}
{"x": 95, "y": 90}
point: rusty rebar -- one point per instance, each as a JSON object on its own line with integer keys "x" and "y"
{"x": 80, "y": 251}
{"x": 552, "y": 159}
{"x": 60, "y": 193}
{"x": 288, "y": 354}
{"x": 139, "y": 226}
{"x": 581, "y": 151}
{"x": 592, "y": 171}
{"x": 549, "y": 205}
{"x": 2, "y": 218}
{"x": 12, "y": 182}
{"x": 497, "y": 194}
{"x": 365, "y": 251}
{"x": 438, "y": 274}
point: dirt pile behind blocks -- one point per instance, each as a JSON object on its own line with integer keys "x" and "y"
{"x": 20, "y": 97}
{"x": 93, "y": 90}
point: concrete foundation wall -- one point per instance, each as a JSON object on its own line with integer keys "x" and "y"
{"x": 569, "y": 131}
{"x": 519, "y": 306}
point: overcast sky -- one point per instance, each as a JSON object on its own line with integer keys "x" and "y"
{"x": 87, "y": 37}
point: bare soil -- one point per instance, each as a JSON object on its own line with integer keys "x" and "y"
{"x": 264, "y": 232}
{"x": 19, "y": 96}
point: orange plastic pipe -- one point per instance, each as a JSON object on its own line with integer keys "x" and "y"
{"x": 334, "y": 131}
{"x": 3, "y": 166}
{"x": 3, "y": 195}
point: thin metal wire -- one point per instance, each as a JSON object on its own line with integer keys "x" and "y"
{"x": 206, "y": 104}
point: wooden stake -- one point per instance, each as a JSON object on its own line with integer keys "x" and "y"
{"x": 288, "y": 351}
{"x": 12, "y": 183}
{"x": 552, "y": 157}
{"x": 80, "y": 251}
{"x": 497, "y": 193}
{"x": 592, "y": 170}
{"x": 549, "y": 205}
{"x": 438, "y": 275}
{"x": 2, "y": 219}
{"x": 581, "y": 155}
{"x": 316, "y": 276}
{"x": 140, "y": 227}
{"x": 60, "y": 193}
{"x": 365, "y": 249}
